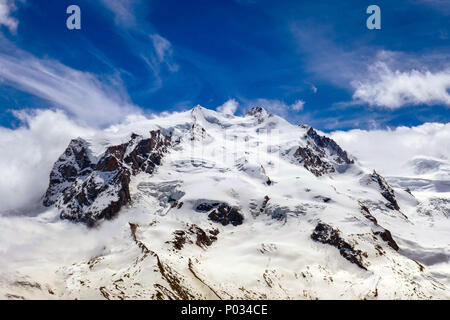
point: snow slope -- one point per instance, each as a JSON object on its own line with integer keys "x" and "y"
{"x": 246, "y": 207}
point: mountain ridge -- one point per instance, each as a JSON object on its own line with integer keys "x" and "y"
{"x": 214, "y": 205}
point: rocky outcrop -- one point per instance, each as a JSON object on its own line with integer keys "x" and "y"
{"x": 221, "y": 213}
{"x": 334, "y": 150}
{"x": 385, "y": 189}
{"x": 259, "y": 113}
{"x": 85, "y": 190}
{"x": 321, "y": 155}
{"x": 253, "y": 170}
{"x": 387, "y": 236}
{"x": 194, "y": 234}
{"x": 72, "y": 164}
{"x": 384, "y": 233}
{"x": 324, "y": 233}
{"x": 366, "y": 212}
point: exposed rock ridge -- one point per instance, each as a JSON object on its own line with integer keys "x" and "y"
{"x": 259, "y": 113}
{"x": 326, "y": 234}
{"x": 86, "y": 191}
{"x": 384, "y": 233}
{"x": 321, "y": 155}
{"x": 386, "y": 191}
{"x": 221, "y": 213}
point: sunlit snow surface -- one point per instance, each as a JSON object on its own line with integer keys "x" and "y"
{"x": 271, "y": 255}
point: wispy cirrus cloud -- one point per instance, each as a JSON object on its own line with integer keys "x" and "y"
{"x": 162, "y": 46}
{"x": 163, "y": 49}
{"x": 155, "y": 50}
{"x": 91, "y": 99}
{"x": 123, "y": 10}
{"x": 6, "y": 19}
{"x": 327, "y": 59}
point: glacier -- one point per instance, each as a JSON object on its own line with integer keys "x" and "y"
{"x": 206, "y": 205}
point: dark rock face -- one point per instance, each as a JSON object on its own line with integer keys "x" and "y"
{"x": 259, "y": 113}
{"x": 264, "y": 204}
{"x": 205, "y": 207}
{"x": 86, "y": 190}
{"x": 202, "y": 238}
{"x": 313, "y": 162}
{"x": 73, "y": 163}
{"x": 180, "y": 239}
{"x": 387, "y": 236}
{"x": 256, "y": 111}
{"x": 384, "y": 233}
{"x": 100, "y": 195}
{"x": 365, "y": 211}
{"x": 323, "y": 199}
{"x": 324, "y": 233}
{"x": 222, "y": 213}
{"x": 321, "y": 155}
{"x": 340, "y": 156}
{"x": 386, "y": 191}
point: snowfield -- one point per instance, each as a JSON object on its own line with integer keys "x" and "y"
{"x": 249, "y": 207}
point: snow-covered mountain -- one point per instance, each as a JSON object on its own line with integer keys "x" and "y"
{"x": 211, "y": 206}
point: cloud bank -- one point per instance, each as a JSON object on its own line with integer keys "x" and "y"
{"x": 28, "y": 154}
{"x": 395, "y": 89}
{"x": 389, "y": 151}
{"x": 229, "y": 107}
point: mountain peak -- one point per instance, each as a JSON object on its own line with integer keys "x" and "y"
{"x": 257, "y": 111}
{"x": 198, "y": 108}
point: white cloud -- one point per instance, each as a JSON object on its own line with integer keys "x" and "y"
{"x": 136, "y": 31}
{"x": 390, "y": 150}
{"x": 229, "y": 107}
{"x": 163, "y": 50}
{"x": 327, "y": 59}
{"x": 298, "y": 105}
{"x": 90, "y": 99}
{"x": 162, "y": 46}
{"x": 28, "y": 153}
{"x": 123, "y": 10}
{"x": 6, "y": 8}
{"x": 395, "y": 89}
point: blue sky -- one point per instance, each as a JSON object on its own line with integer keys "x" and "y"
{"x": 312, "y": 62}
